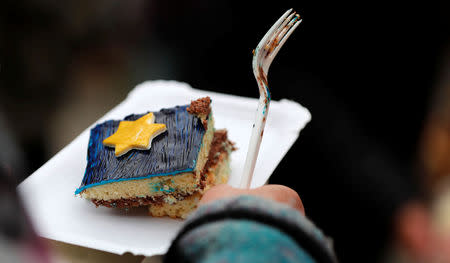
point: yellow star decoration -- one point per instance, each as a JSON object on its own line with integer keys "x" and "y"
{"x": 136, "y": 134}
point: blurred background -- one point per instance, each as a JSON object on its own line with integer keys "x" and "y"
{"x": 373, "y": 166}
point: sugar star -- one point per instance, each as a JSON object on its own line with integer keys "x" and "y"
{"x": 136, "y": 134}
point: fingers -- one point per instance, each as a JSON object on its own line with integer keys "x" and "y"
{"x": 278, "y": 193}
{"x": 219, "y": 192}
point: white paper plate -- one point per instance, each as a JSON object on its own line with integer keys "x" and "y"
{"x": 58, "y": 214}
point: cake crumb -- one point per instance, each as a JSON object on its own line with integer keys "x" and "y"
{"x": 200, "y": 107}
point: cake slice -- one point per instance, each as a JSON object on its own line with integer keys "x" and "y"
{"x": 185, "y": 159}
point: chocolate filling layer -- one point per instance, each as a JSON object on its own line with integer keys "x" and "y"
{"x": 219, "y": 145}
{"x": 137, "y": 201}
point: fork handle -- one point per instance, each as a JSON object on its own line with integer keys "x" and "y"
{"x": 255, "y": 142}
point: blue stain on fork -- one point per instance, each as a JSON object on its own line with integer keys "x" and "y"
{"x": 263, "y": 56}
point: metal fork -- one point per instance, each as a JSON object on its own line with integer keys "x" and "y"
{"x": 263, "y": 56}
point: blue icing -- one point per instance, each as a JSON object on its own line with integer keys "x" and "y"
{"x": 172, "y": 152}
{"x": 161, "y": 187}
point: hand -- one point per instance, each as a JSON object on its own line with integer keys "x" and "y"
{"x": 416, "y": 233}
{"x": 278, "y": 193}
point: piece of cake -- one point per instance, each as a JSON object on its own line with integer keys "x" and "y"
{"x": 164, "y": 160}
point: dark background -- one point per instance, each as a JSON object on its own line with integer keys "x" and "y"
{"x": 366, "y": 71}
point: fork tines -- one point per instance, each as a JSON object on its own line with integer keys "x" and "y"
{"x": 282, "y": 29}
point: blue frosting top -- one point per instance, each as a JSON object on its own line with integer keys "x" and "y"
{"x": 174, "y": 151}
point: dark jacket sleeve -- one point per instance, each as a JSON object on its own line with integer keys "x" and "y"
{"x": 249, "y": 229}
